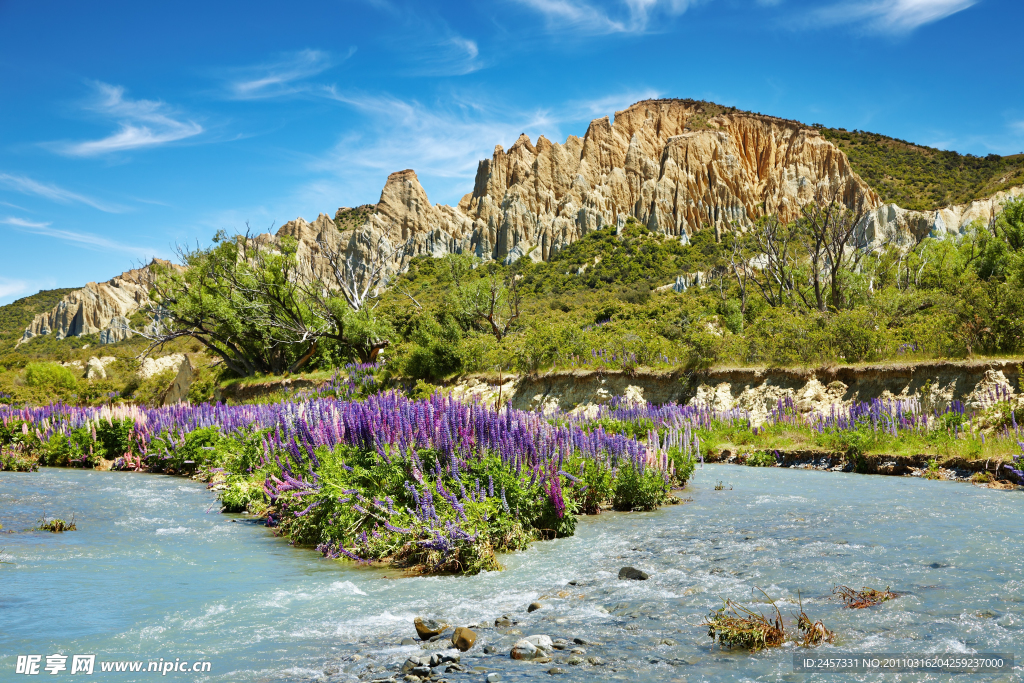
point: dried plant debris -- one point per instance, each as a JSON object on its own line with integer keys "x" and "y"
{"x": 865, "y": 597}
{"x": 734, "y": 625}
{"x": 57, "y": 525}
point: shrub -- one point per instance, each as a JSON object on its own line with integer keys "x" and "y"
{"x": 50, "y": 376}
{"x": 760, "y": 459}
{"x": 638, "y": 490}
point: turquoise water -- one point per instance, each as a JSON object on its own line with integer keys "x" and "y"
{"x": 155, "y": 571}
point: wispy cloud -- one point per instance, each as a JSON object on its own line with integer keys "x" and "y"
{"x": 87, "y": 240}
{"x": 443, "y": 141}
{"x": 143, "y": 123}
{"x": 26, "y": 185}
{"x": 286, "y": 76}
{"x": 889, "y": 16}
{"x": 624, "y": 16}
{"x": 450, "y": 56}
{"x": 10, "y": 288}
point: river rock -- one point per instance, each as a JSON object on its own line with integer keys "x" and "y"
{"x": 560, "y": 643}
{"x": 554, "y": 671}
{"x": 504, "y": 621}
{"x": 574, "y": 660}
{"x": 633, "y": 574}
{"x": 534, "y": 606}
{"x": 428, "y": 628}
{"x": 493, "y": 677}
{"x": 525, "y": 650}
{"x": 463, "y": 638}
{"x": 411, "y": 664}
{"x": 407, "y": 641}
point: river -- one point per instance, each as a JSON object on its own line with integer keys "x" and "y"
{"x": 155, "y": 571}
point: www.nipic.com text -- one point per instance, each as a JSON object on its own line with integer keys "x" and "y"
{"x": 32, "y": 665}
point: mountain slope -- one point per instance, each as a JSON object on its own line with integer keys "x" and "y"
{"x": 16, "y": 316}
{"x": 923, "y": 178}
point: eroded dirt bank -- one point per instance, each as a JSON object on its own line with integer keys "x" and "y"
{"x": 936, "y": 384}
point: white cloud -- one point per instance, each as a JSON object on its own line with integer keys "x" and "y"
{"x": 281, "y": 78}
{"x": 143, "y": 123}
{"x": 52, "y": 192}
{"x": 890, "y": 16}
{"x": 627, "y": 16}
{"x": 87, "y": 240}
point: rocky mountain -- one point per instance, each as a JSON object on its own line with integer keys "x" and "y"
{"x": 677, "y": 166}
{"x": 98, "y": 308}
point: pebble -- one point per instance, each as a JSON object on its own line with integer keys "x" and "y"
{"x": 574, "y": 661}
{"x": 554, "y": 671}
{"x": 503, "y": 622}
{"x": 560, "y": 643}
{"x": 534, "y": 606}
{"x": 493, "y": 677}
{"x": 580, "y": 641}
{"x": 596, "y": 661}
{"x": 408, "y": 641}
{"x": 667, "y": 641}
{"x": 331, "y": 670}
{"x": 578, "y": 651}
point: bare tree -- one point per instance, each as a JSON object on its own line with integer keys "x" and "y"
{"x": 775, "y": 242}
{"x": 830, "y": 228}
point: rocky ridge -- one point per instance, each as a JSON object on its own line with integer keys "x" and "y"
{"x": 98, "y": 308}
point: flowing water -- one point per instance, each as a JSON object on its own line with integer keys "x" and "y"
{"x": 154, "y": 571}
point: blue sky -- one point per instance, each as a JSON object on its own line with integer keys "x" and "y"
{"x": 128, "y": 128}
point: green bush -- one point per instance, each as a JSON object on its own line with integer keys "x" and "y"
{"x": 760, "y": 459}
{"x": 50, "y": 376}
{"x": 638, "y": 490}
{"x": 684, "y": 466}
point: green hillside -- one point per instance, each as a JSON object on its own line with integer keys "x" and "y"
{"x": 16, "y": 316}
{"x": 924, "y": 178}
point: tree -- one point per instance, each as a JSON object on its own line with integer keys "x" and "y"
{"x": 260, "y": 307}
{"x": 493, "y": 300}
{"x": 829, "y": 228}
{"x": 773, "y": 269}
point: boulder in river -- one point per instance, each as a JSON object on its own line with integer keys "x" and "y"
{"x": 428, "y": 628}
{"x": 534, "y": 606}
{"x": 463, "y": 638}
{"x": 633, "y": 574}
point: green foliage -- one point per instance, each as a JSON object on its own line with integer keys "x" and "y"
{"x": 50, "y": 376}
{"x": 923, "y": 178}
{"x": 637, "y": 490}
{"x": 760, "y": 459}
{"x": 684, "y": 466}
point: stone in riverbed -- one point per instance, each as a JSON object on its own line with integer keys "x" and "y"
{"x": 503, "y": 622}
{"x": 525, "y": 650}
{"x": 633, "y": 574}
{"x": 534, "y": 606}
{"x": 493, "y": 677}
{"x": 574, "y": 661}
{"x": 560, "y": 643}
{"x": 408, "y": 641}
{"x": 428, "y": 628}
{"x": 463, "y": 638}
{"x": 554, "y": 671}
